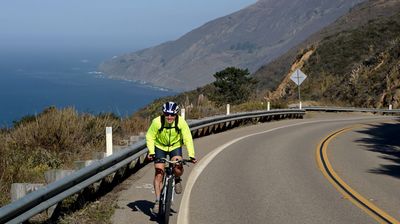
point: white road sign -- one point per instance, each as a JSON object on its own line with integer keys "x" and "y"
{"x": 298, "y": 77}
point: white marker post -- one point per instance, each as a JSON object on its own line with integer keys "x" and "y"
{"x": 109, "y": 144}
{"x": 228, "y": 109}
{"x": 183, "y": 113}
{"x": 268, "y": 106}
{"x": 298, "y": 77}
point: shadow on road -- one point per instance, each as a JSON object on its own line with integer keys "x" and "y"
{"x": 143, "y": 206}
{"x": 385, "y": 140}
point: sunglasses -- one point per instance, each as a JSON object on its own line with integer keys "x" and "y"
{"x": 169, "y": 114}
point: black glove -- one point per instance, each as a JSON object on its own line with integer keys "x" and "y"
{"x": 193, "y": 160}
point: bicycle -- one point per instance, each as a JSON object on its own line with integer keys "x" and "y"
{"x": 167, "y": 190}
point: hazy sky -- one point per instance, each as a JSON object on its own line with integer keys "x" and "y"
{"x": 121, "y": 25}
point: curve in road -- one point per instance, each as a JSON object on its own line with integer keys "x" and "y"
{"x": 355, "y": 197}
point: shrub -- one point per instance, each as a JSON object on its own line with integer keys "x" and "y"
{"x": 232, "y": 85}
{"x": 53, "y": 139}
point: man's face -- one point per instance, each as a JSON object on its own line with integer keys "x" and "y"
{"x": 170, "y": 118}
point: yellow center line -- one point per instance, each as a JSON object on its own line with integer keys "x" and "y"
{"x": 348, "y": 193}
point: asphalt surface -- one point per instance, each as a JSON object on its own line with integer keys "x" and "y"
{"x": 368, "y": 159}
{"x": 271, "y": 175}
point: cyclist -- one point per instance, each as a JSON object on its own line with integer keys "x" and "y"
{"x": 165, "y": 136}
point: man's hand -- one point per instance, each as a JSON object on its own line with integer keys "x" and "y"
{"x": 150, "y": 157}
{"x": 193, "y": 160}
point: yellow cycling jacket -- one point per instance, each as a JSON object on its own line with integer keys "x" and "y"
{"x": 169, "y": 139}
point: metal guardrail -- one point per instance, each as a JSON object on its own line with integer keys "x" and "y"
{"x": 352, "y": 109}
{"x": 38, "y": 201}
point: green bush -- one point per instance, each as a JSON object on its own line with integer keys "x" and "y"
{"x": 232, "y": 85}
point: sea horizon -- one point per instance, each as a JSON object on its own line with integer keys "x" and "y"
{"x": 29, "y": 84}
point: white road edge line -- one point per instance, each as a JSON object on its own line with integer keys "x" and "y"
{"x": 183, "y": 214}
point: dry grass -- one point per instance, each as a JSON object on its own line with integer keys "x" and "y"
{"x": 54, "y": 139}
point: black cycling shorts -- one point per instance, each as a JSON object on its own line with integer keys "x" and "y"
{"x": 159, "y": 154}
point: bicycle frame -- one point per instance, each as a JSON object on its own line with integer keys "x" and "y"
{"x": 167, "y": 193}
{"x": 167, "y": 190}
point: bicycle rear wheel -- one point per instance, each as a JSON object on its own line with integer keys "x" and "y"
{"x": 168, "y": 200}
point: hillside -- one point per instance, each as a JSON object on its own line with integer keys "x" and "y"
{"x": 248, "y": 38}
{"x": 355, "y": 62}
{"x": 271, "y": 74}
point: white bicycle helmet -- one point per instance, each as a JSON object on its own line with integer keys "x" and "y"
{"x": 170, "y": 108}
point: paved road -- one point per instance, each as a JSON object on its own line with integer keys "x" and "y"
{"x": 272, "y": 176}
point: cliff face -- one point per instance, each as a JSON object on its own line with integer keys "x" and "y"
{"x": 355, "y": 61}
{"x": 248, "y": 38}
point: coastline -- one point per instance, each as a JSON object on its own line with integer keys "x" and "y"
{"x": 25, "y": 94}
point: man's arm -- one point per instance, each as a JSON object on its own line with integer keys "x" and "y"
{"x": 187, "y": 137}
{"x": 151, "y": 136}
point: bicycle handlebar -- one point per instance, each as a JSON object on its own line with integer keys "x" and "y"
{"x": 183, "y": 161}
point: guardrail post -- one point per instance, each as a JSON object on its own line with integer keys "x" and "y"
{"x": 183, "y": 113}
{"x": 136, "y": 138}
{"x": 390, "y": 107}
{"x": 133, "y": 139}
{"x": 142, "y": 135}
{"x": 52, "y": 176}
{"x": 228, "y": 109}
{"x": 82, "y": 164}
{"x": 19, "y": 190}
{"x": 99, "y": 155}
{"x": 109, "y": 144}
{"x": 56, "y": 174}
{"x": 268, "y": 106}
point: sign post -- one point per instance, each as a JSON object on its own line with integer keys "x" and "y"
{"x": 298, "y": 77}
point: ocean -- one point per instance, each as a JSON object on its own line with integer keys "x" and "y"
{"x": 31, "y": 82}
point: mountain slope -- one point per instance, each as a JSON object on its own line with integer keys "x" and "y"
{"x": 248, "y": 38}
{"x": 271, "y": 74}
{"x": 355, "y": 61}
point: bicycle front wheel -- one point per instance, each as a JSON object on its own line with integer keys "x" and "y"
{"x": 168, "y": 200}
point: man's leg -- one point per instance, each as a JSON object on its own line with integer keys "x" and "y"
{"x": 178, "y": 169}
{"x": 176, "y": 154}
{"x": 158, "y": 176}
